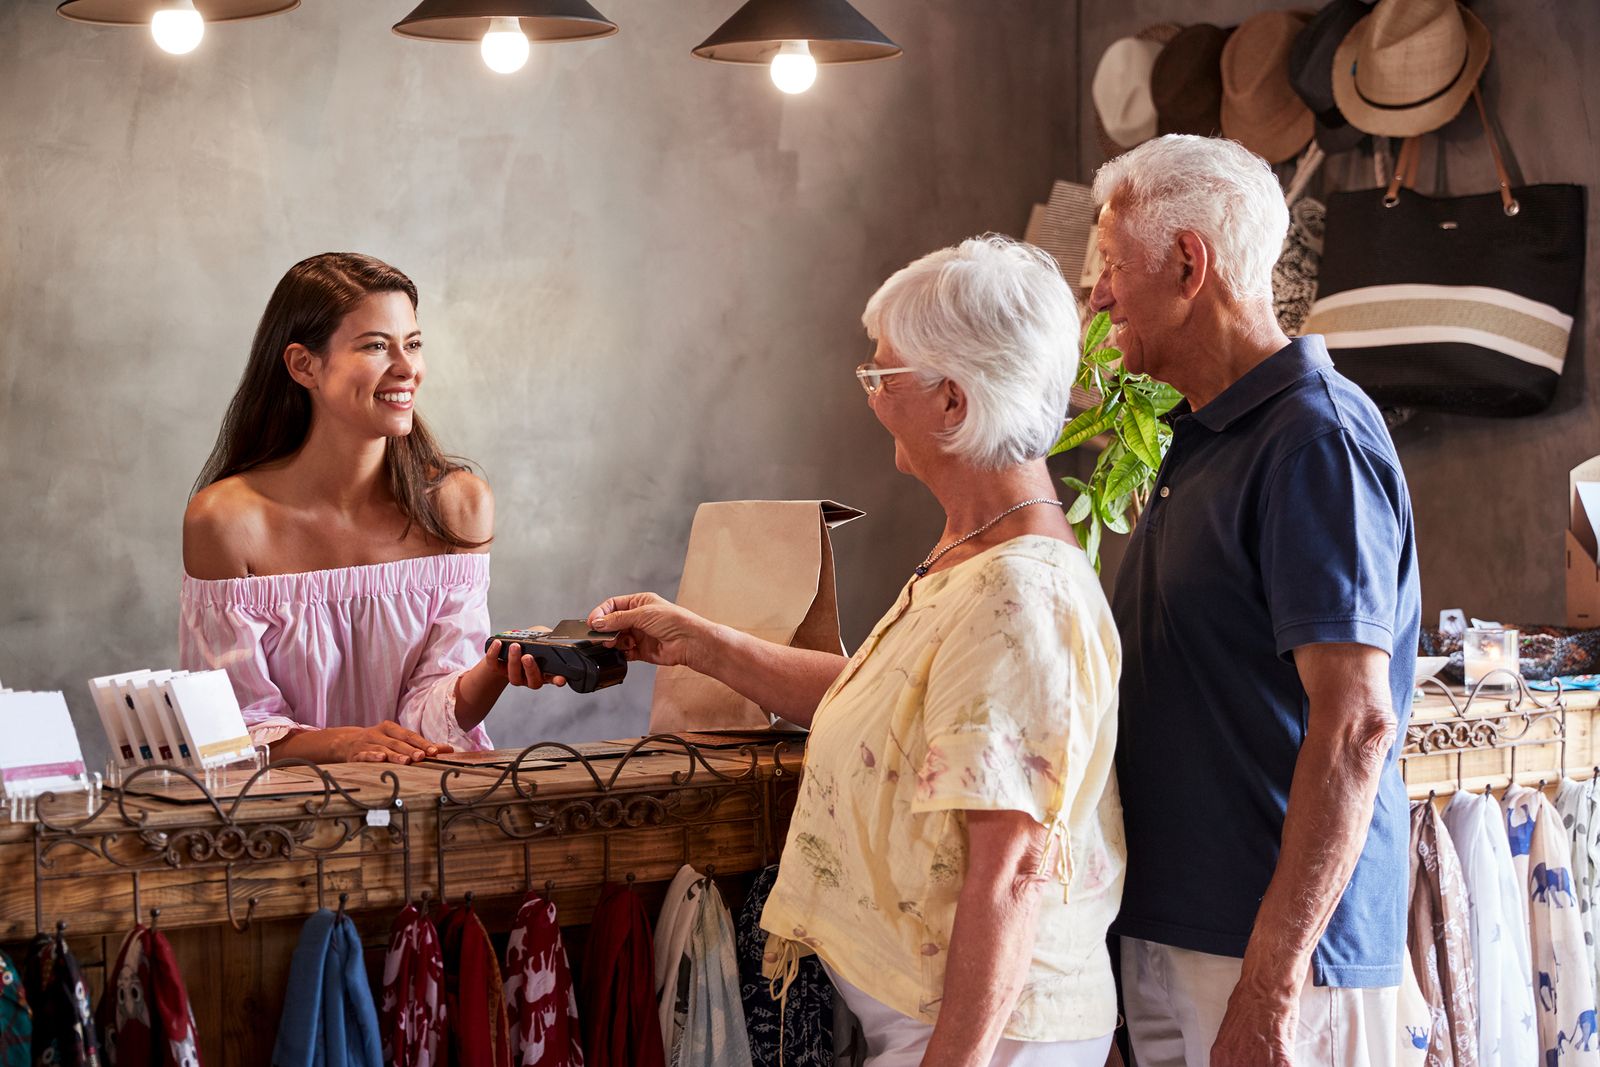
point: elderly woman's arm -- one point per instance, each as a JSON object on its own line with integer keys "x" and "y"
{"x": 785, "y": 681}
{"x": 991, "y": 944}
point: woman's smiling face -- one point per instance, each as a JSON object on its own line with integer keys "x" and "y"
{"x": 368, "y": 375}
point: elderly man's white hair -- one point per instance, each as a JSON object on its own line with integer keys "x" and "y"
{"x": 994, "y": 316}
{"x": 1219, "y": 189}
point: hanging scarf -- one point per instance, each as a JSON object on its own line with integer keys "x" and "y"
{"x": 1439, "y": 939}
{"x": 63, "y": 1025}
{"x": 1501, "y": 956}
{"x": 539, "y": 995}
{"x": 413, "y": 1009}
{"x": 620, "y": 1021}
{"x": 1563, "y": 983}
{"x": 1579, "y": 809}
{"x": 329, "y": 1019}
{"x": 674, "y": 926}
{"x": 16, "y": 1021}
{"x": 474, "y": 995}
{"x": 714, "y": 1031}
{"x": 798, "y": 1029}
{"x": 144, "y": 1016}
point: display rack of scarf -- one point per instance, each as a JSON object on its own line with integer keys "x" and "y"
{"x": 702, "y": 793}
{"x": 229, "y": 830}
{"x": 63, "y": 1025}
{"x": 144, "y": 1016}
{"x": 16, "y": 1019}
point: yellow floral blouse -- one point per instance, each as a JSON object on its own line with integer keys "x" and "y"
{"x": 988, "y": 686}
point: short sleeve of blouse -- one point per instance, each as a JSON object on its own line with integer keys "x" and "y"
{"x": 1000, "y": 692}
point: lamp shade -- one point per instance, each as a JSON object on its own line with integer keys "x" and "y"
{"x": 835, "y": 32}
{"x": 139, "y": 12}
{"x": 468, "y": 20}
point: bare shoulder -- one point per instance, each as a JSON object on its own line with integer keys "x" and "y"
{"x": 221, "y": 526}
{"x": 467, "y": 506}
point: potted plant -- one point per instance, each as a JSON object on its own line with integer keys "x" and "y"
{"x": 1136, "y": 440}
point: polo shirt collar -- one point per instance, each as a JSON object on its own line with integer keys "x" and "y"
{"x": 1300, "y": 357}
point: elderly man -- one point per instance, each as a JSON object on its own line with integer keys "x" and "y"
{"x": 1268, "y": 606}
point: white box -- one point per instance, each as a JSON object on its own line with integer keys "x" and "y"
{"x": 39, "y": 749}
{"x": 108, "y": 701}
{"x": 1583, "y": 554}
{"x": 208, "y": 715}
{"x": 139, "y": 719}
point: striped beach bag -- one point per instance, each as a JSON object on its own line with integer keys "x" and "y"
{"x": 1458, "y": 304}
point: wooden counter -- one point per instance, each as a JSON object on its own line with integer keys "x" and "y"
{"x": 235, "y": 874}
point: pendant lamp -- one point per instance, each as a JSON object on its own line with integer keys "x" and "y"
{"x": 504, "y": 26}
{"x": 794, "y": 36}
{"x": 177, "y": 25}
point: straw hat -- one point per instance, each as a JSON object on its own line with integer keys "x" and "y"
{"x": 1186, "y": 82}
{"x": 1259, "y": 107}
{"x": 1125, "y": 114}
{"x": 1311, "y": 70}
{"x": 1407, "y": 68}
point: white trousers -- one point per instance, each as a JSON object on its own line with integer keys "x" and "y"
{"x": 895, "y": 1040}
{"x": 1174, "y": 1000}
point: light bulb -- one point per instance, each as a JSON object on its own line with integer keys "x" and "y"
{"x": 793, "y": 69}
{"x": 178, "y": 27}
{"x": 505, "y": 49}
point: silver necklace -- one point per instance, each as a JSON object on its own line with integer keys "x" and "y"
{"x": 933, "y": 557}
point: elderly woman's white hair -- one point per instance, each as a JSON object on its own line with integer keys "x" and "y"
{"x": 1218, "y": 189}
{"x": 994, "y": 316}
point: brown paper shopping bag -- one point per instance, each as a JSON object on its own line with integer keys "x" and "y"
{"x": 764, "y": 567}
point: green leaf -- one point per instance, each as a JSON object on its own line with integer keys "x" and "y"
{"x": 1099, "y": 330}
{"x": 1126, "y": 475}
{"x": 1115, "y": 514}
{"x": 1080, "y": 508}
{"x": 1072, "y": 483}
{"x": 1164, "y": 398}
{"x": 1086, "y": 426}
{"x": 1140, "y": 430}
{"x": 1092, "y": 545}
{"x": 1105, "y": 357}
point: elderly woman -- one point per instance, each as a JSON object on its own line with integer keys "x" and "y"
{"x": 955, "y": 857}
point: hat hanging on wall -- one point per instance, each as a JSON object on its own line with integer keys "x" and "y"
{"x": 1311, "y": 71}
{"x": 1259, "y": 107}
{"x": 1125, "y": 113}
{"x": 794, "y": 36}
{"x": 504, "y": 27}
{"x": 176, "y": 25}
{"x": 1407, "y": 68}
{"x": 1186, "y": 81}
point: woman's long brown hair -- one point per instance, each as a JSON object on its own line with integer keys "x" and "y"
{"x": 270, "y": 414}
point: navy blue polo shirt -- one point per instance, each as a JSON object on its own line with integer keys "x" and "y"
{"x": 1280, "y": 519}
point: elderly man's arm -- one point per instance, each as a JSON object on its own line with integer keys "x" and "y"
{"x": 991, "y": 943}
{"x": 1349, "y": 731}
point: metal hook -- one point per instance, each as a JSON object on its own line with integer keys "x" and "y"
{"x": 527, "y": 868}
{"x": 424, "y": 901}
{"x": 630, "y": 876}
{"x": 467, "y": 899}
{"x": 61, "y": 931}
{"x": 155, "y": 918}
{"x": 550, "y": 886}
{"x": 344, "y": 898}
{"x": 250, "y": 903}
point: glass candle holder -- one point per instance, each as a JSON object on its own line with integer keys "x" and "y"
{"x": 1486, "y": 649}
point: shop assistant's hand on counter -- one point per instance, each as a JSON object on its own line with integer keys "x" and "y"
{"x": 782, "y": 680}
{"x": 387, "y": 742}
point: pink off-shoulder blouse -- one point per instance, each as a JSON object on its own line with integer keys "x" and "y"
{"x": 351, "y": 646}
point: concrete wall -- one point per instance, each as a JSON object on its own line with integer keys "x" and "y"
{"x": 641, "y": 279}
{"x": 1490, "y": 494}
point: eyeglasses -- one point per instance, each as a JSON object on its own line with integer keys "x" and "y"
{"x": 871, "y": 377}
